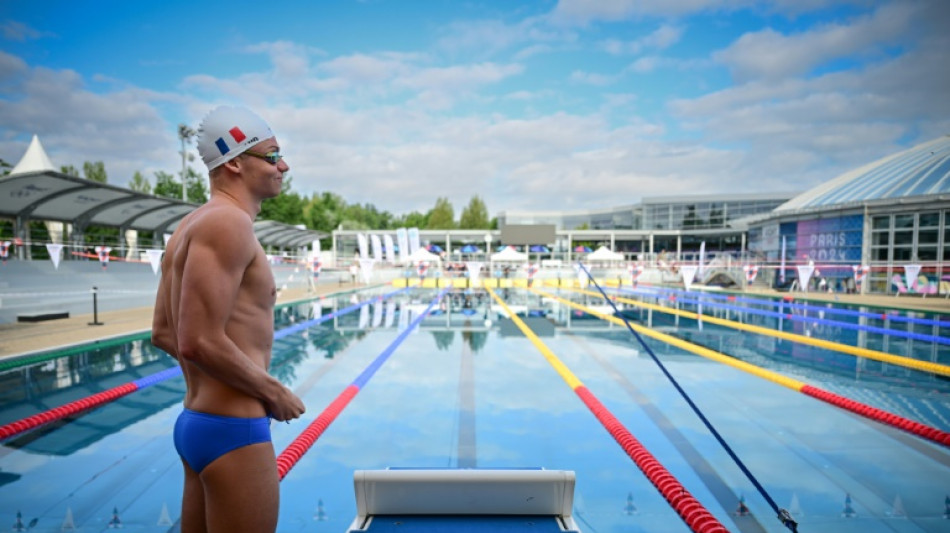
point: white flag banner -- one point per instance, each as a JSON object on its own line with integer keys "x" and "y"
{"x": 804, "y": 275}
{"x": 390, "y": 313}
{"x": 366, "y": 270}
{"x": 390, "y": 248}
{"x": 55, "y": 253}
{"x": 702, "y": 259}
{"x": 910, "y": 274}
{"x": 689, "y": 274}
{"x": 315, "y": 246}
{"x": 582, "y": 277}
{"x": 413, "y": 240}
{"x": 103, "y": 253}
{"x": 166, "y": 237}
{"x": 154, "y": 259}
{"x": 364, "y": 247}
{"x": 402, "y": 239}
{"x": 403, "y": 317}
{"x": 781, "y": 270}
{"x": 377, "y": 314}
{"x": 474, "y": 269}
{"x": 364, "y": 316}
{"x": 750, "y": 272}
{"x": 377, "y": 248}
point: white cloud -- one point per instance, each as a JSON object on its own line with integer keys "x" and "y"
{"x": 661, "y": 38}
{"x": 771, "y": 55}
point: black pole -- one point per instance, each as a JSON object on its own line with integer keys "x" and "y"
{"x": 95, "y": 307}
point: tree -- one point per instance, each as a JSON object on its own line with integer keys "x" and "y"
{"x": 414, "y": 219}
{"x": 166, "y": 186}
{"x": 287, "y": 207}
{"x": 95, "y": 171}
{"x": 184, "y": 135}
{"x": 475, "y": 215}
{"x": 139, "y": 183}
{"x": 197, "y": 190}
{"x": 442, "y": 216}
{"x": 69, "y": 170}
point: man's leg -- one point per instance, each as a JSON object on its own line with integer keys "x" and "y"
{"x": 193, "y": 503}
{"x": 242, "y": 490}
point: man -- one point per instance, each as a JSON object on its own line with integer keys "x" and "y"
{"x": 214, "y": 314}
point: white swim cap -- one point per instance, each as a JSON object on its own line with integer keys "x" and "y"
{"x": 227, "y": 132}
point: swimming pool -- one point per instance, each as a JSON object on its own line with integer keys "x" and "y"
{"x": 462, "y": 386}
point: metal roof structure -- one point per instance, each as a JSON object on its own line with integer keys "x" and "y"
{"x": 35, "y": 190}
{"x": 921, "y": 171}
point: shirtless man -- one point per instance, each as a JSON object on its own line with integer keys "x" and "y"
{"x": 214, "y": 313}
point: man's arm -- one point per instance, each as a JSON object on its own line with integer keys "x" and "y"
{"x": 219, "y": 253}
{"x": 163, "y": 335}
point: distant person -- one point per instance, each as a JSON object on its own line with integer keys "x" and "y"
{"x": 214, "y": 313}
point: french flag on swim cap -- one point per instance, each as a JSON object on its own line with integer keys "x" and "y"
{"x": 236, "y": 134}
{"x": 227, "y": 132}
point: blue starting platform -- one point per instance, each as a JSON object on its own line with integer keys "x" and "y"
{"x": 464, "y": 500}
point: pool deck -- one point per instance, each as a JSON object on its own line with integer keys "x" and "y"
{"x": 23, "y": 338}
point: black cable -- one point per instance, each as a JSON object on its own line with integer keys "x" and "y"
{"x": 784, "y": 516}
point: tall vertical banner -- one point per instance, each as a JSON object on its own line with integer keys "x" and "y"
{"x": 55, "y": 253}
{"x": 402, "y": 239}
{"x": 702, "y": 259}
{"x": 390, "y": 249}
{"x": 474, "y": 269}
{"x": 413, "y": 240}
{"x": 364, "y": 247}
{"x": 781, "y": 268}
{"x": 689, "y": 274}
{"x": 377, "y": 248}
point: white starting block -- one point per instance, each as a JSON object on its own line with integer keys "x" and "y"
{"x": 464, "y": 500}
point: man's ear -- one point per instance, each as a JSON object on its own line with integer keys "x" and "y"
{"x": 234, "y": 164}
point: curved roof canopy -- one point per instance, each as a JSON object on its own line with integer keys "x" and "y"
{"x": 923, "y": 170}
{"x": 35, "y": 190}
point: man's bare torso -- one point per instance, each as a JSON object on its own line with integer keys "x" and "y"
{"x": 249, "y": 325}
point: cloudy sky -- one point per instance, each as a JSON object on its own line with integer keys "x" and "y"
{"x": 544, "y": 105}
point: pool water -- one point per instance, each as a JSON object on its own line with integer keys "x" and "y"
{"x": 467, "y": 389}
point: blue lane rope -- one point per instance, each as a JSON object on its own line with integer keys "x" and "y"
{"x": 783, "y": 515}
{"x": 799, "y": 318}
{"x": 782, "y": 302}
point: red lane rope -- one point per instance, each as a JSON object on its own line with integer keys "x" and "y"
{"x": 697, "y": 517}
{"x": 289, "y": 457}
{"x": 879, "y": 415}
{"x": 68, "y": 409}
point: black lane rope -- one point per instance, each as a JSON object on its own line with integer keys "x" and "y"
{"x": 783, "y": 515}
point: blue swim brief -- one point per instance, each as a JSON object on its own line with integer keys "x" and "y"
{"x": 200, "y": 438}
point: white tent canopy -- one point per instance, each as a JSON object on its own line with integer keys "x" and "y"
{"x": 604, "y": 254}
{"x": 422, "y": 255}
{"x": 509, "y": 254}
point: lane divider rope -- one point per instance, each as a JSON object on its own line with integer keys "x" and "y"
{"x": 907, "y": 362}
{"x": 782, "y": 514}
{"x": 893, "y": 420}
{"x": 96, "y": 400}
{"x": 300, "y": 445}
{"x": 802, "y": 318}
{"x": 696, "y": 516}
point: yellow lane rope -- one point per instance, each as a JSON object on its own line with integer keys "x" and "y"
{"x": 906, "y": 362}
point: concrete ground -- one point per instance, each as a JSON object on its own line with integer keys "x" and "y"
{"x": 20, "y": 338}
